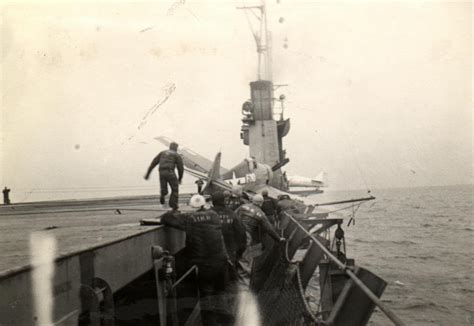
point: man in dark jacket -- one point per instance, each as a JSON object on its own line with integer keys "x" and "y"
{"x": 6, "y": 194}
{"x": 235, "y": 241}
{"x": 199, "y": 184}
{"x": 205, "y": 248}
{"x": 285, "y": 204}
{"x": 232, "y": 228}
{"x": 168, "y": 161}
{"x": 269, "y": 207}
{"x": 255, "y": 222}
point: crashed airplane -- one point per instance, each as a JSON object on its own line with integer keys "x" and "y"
{"x": 252, "y": 175}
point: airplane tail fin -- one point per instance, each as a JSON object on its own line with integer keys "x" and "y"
{"x": 214, "y": 174}
{"x": 215, "y": 171}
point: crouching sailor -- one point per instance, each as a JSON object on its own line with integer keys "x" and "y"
{"x": 255, "y": 222}
{"x": 205, "y": 248}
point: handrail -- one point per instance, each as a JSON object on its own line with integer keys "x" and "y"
{"x": 346, "y": 201}
{"x": 394, "y": 318}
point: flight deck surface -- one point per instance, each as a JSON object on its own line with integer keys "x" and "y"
{"x": 77, "y": 225}
{"x": 98, "y": 241}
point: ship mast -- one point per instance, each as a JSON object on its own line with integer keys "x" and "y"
{"x": 262, "y": 39}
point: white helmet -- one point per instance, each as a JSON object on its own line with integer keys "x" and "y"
{"x": 237, "y": 190}
{"x": 197, "y": 201}
{"x": 257, "y": 199}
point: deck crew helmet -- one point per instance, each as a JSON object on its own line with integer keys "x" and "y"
{"x": 197, "y": 201}
{"x": 237, "y": 190}
{"x": 257, "y": 199}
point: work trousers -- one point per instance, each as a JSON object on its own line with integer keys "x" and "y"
{"x": 214, "y": 293}
{"x": 169, "y": 177}
{"x": 245, "y": 265}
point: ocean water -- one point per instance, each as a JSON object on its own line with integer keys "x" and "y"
{"x": 420, "y": 240}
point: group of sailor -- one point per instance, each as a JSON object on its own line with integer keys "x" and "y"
{"x": 222, "y": 240}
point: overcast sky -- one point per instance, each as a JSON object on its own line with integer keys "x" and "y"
{"x": 379, "y": 93}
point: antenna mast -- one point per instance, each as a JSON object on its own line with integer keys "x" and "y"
{"x": 262, "y": 39}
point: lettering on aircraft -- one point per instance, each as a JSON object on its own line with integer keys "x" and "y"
{"x": 248, "y": 178}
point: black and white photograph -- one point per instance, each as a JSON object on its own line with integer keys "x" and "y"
{"x": 236, "y": 163}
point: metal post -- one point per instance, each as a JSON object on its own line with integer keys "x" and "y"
{"x": 157, "y": 256}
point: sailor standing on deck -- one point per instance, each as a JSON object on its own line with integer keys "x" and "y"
{"x": 6, "y": 196}
{"x": 235, "y": 242}
{"x": 199, "y": 184}
{"x": 205, "y": 248}
{"x": 255, "y": 222}
{"x": 168, "y": 161}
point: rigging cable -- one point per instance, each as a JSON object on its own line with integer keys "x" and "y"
{"x": 354, "y": 156}
{"x": 255, "y": 35}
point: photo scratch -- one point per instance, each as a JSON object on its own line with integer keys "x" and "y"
{"x": 168, "y": 89}
{"x": 174, "y": 7}
{"x": 147, "y": 29}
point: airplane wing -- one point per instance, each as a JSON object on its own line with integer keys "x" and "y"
{"x": 306, "y": 192}
{"x": 191, "y": 160}
{"x": 311, "y": 205}
{"x": 305, "y": 186}
{"x": 299, "y": 181}
{"x": 274, "y": 192}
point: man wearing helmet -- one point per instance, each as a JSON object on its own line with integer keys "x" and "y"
{"x": 168, "y": 161}
{"x": 204, "y": 248}
{"x": 255, "y": 222}
{"x": 227, "y": 195}
{"x": 235, "y": 199}
{"x": 285, "y": 203}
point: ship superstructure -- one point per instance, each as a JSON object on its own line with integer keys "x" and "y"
{"x": 263, "y": 128}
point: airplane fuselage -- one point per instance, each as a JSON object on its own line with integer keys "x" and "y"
{"x": 249, "y": 173}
